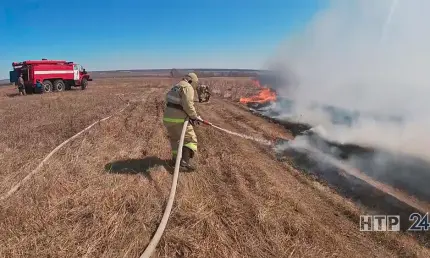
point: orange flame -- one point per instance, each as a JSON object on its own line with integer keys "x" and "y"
{"x": 265, "y": 95}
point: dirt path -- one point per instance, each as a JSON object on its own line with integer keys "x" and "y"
{"x": 104, "y": 195}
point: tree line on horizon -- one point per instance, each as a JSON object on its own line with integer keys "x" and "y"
{"x": 176, "y": 73}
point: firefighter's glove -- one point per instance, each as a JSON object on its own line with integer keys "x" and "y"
{"x": 196, "y": 121}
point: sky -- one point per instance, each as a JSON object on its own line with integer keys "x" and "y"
{"x": 125, "y": 34}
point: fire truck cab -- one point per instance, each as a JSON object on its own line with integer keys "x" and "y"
{"x": 55, "y": 75}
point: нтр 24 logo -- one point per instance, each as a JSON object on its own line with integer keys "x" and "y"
{"x": 420, "y": 223}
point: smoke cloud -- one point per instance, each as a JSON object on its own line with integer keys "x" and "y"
{"x": 370, "y": 58}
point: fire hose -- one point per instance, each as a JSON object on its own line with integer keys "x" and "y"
{"x": 160, "y": 230}
{"x": 39, "y": 167}
{"x": 262, "y": 141}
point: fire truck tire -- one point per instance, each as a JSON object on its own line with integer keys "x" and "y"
{"x": 28, "y": 90}
{"x": 47, "y": 86}
{"x": 84, "y": 84}
{"x": 68, "y": 86}
{"x": 59, "y": 85}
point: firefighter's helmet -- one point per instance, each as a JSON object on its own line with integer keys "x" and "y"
{"x": 193, "y": 78}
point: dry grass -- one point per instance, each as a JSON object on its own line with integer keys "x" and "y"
{"x": 103, "y": 195}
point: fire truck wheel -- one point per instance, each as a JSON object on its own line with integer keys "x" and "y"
{"x": 84, "y": 84}
{"x": 68, "y": 86}
{"x": 28, "y": 90}
{"x": 47, "y": 86}
{"x": 59, "y": 85}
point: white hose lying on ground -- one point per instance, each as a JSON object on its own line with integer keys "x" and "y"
{"x": 26, "y": 178}
{"x": 160, "y": 230}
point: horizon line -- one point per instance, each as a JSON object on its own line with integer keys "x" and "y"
{"x": 169, "y": 69}
{"x": 152, "y": 69}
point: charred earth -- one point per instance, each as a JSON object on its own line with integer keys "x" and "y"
{"x": 406, "y": 173}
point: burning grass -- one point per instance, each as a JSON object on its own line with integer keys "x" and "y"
{"x": 103, "y": 195}
{"x": 265, "y": 95}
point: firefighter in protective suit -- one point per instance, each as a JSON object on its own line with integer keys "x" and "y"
{"x": 179, "y": 107}
{"x": 203, "y": 93}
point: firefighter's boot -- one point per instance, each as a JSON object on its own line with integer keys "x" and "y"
{"x": 185, "y": 165}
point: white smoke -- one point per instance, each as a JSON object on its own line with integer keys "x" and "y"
{"x": 368, "y": 56}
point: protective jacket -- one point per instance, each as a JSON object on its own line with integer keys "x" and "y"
{"x": 179, "y": 107}
{"x": 181, "y": 96}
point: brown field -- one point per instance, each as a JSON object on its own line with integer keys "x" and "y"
{"x": 241, "y": 202}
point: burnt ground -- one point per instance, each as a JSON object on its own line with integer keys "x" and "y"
{"x": 402, "y": 172}
{"x": 103, "y": 194}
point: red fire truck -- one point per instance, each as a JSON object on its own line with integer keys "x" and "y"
{"x": 55, "y": 75}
